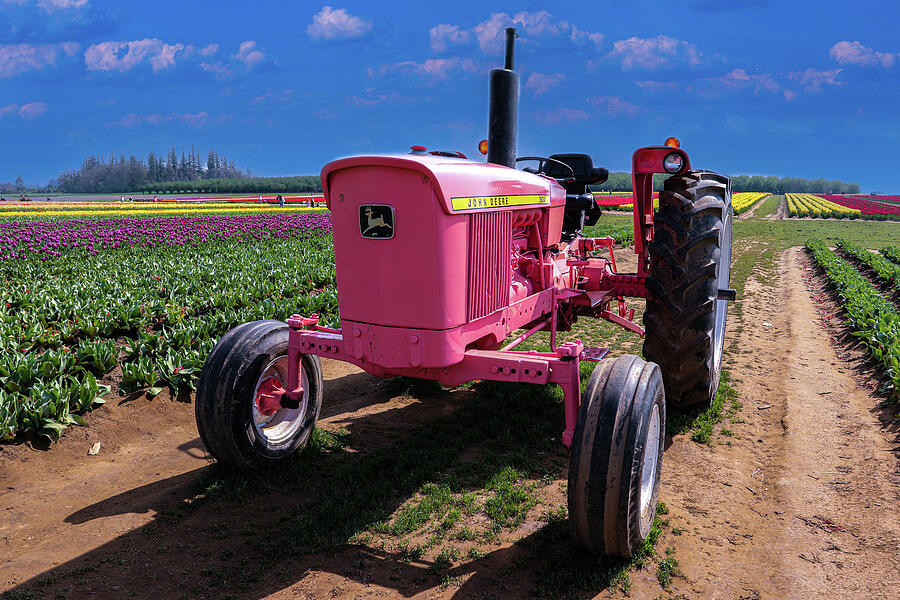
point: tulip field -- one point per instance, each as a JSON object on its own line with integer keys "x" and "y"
{"x": 872, "y": 317}
{"x": 102, "y": 295}
{"x": 741, "y": 201}
{"x": 843, "y": 207}
{"x": 144, "y": 299}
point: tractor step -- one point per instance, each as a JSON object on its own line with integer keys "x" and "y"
{"x": 730, "y": 295}
{"x": 594, "y": 354}
{"x": 590, "y": 299}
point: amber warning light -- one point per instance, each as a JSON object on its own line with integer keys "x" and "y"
{"x": 482, "y": 146}
{"x": 673, "y": 142}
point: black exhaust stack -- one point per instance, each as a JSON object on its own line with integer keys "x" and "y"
{"x": 504, "y": 109}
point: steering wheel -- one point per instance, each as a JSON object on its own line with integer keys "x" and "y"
{"x": 542, "y": 160}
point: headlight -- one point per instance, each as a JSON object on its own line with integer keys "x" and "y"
{"x": 673, "y": 162}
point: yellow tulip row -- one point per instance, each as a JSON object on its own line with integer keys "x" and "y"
{"x": 741, "y": 201}
{"x": 810, "y": 205}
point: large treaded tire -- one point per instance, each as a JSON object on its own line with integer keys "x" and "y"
{"x": 616, "y": 457}
{"x": 690, "y": 260}
{"x": 226, "y": 392}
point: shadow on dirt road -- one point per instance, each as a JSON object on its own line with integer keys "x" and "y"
{"x": 322, "y": 523}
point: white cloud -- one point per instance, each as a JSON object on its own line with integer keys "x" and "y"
{"x": 652, "y": 53}
{"x": 122, "y": 56}
{"x": 579, "y": 34}
{"x": 436, "y": 68}
{"x": 540, "y": 83}
{"x": 166, "y": 56}
{"x": 52, "y": 5}
{"x": 560, "y": 115}
{"x": 19, "y": 58}
{"x": 491, "y": 37}
{"x": 196, "y": 119}
{"x": 249, "y": 54}
{"x": 854, "y": 53}
{"x": 61, "y": 4}
{"x": 444, "y": 35}
{"x": 739, "y": 79}
{"x": 219, "y": 69}
{"x": 337, "y": 24}
{"x": 371, "y": 99}
{"x": 32, "y": 109}
{"x": 614, "y": 105}
{"x": 276, "y": 96}
{"x": 26, "y": 111}
{"x": 813, "y": 80}
{"x": 655, "y": 86}
{"x": 208, "y": 50}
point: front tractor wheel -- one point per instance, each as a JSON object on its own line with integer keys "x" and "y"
{"x": 616, "y": 457}
{"x": 239, "y": 415}
{"x": 690, "y": 262}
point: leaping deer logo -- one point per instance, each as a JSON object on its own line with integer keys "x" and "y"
{"x": 374, "y": 222}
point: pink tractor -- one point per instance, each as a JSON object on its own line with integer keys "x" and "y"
{"x": 440, "y": 260}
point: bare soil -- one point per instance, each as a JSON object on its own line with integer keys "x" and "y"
{"x": 797, "y": 496}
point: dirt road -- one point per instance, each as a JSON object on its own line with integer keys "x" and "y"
{"x": 797, "y": 497}
{"x": 804, "y": 500}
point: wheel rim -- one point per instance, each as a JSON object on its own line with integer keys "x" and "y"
{"x": 649, "y": 469}
{"x": 283, "y": 425}
{"x": 723, "y": 276}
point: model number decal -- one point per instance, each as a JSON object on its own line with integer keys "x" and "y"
{"x": 479, "y": 202}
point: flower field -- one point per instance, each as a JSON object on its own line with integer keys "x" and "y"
{"x": 868, "y": 208}
{"x": 744, "y": 201}
{"x": 741, "y": 201}
{"x": 872, "y": 317}
{"x": 620, "y": 201}
{"x": 181, "y": 207}
{"x": 842, "y": 207}
{"x": 893, "y": 200}
{"x": 810, "y": 205}
{"x": 146, "y": 298}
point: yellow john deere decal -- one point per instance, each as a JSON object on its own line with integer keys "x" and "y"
{"x": 477, "y": 202}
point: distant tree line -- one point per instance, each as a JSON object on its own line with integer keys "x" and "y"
{"x": 243, "y": 185}
{"x": 13, "y": 188}
{"x": 621, "y": 182}
{"x": 116, "y": 175}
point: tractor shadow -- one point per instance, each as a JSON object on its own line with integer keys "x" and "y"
{"x": 308, "y": 524}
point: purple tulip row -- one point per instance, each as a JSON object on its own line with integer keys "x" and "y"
{"x": 50, "y": 239}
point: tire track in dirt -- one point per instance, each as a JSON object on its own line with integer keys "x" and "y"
{"x": 804, "y": 500}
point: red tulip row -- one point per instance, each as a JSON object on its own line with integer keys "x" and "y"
{"x": 865, "y": 206}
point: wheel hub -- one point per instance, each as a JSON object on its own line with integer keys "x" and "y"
{"x": 268, "y": 397}
{"x": 277, "y": 418}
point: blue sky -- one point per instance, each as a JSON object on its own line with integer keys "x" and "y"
{"x": 772, "y": 87}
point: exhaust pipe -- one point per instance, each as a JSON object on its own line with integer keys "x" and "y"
{"x": 504, "y": 108}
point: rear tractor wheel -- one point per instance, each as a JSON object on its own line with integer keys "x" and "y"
{"x": 616, "y": 457}
{"x": 687, "y": 301}
{"x": 240, "y": 418}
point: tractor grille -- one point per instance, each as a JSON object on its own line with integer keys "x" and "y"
{"x": 490, "y": 236}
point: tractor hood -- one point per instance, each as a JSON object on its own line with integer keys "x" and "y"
{"x": 461, "y": 185}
